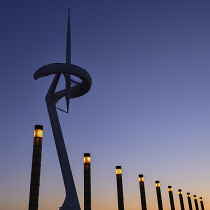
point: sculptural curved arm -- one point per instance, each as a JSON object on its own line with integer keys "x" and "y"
{"x": 58, "y": 68}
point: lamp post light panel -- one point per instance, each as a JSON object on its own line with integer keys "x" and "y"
{"x": 157, "y": 184}
{"x": 38, "y": 132}
{"x": 195, "y": 197}
{"x": 179, "y": 192}
{"x": 118, "y": 171}
{"x": 188, "y": 195}
{"x": 87, "y": 159}
{"x": 201, "y": 199}
{"x": 170, "y": 189}
{"x": 141, "y": 179}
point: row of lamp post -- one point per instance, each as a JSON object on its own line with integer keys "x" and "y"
{"x": 35, "y": 182}
{"x": 158, "y": 192}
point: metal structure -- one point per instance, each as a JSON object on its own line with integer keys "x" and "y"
{"x": 87, "y": 181}
{"x": 201, "y": 202}
{"x": 159, "y": 197}
{"x": 189, "y": 201}
{"x": 181, "y": 199}
{"x": 119, "y": 188}
{"x": 73, "y": 88}
{"x": 36, "y": 168}
{"x": 142, "y": 192}
{"x": 171, "y": 197}
{"x": 196, "y": 202}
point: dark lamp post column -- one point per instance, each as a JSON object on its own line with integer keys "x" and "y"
{"x": 36, "y": 168}
{"x": 119, "y": 188}
{"x": 142, "y": 192}
{"x": 181, "y": 199}
{"x": 159, "y": 198}
{"x": 189, "y": 201}
{"x": 87, "y": 181}
{"x": 196, "y": 202}
{"x": 201, "y": 202}
{"x": 171, "y": 197}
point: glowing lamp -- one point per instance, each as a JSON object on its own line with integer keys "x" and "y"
{"x": 118, "y": 170}
{"x": 170, "y": 189}
{"x": 141, "y": 178}
{"x": 157, "y": 183}
{"x": 38, "y": 131}
{"x": 201, "y": 199}
{"x": 195, "y": 197}
{"x": 179, "y": 192}
{"x": 188, "y": 195}
{"x": 87, "y": 158}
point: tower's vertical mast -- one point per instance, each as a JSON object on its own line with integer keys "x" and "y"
{"x": 68, "y": 61}
{"x": 68, "y": 41}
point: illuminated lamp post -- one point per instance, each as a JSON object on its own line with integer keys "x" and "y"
{"x": 142, "y": 192}
{"x": 171, "y": 197}
{"x": 159, "y": 198}
{"x": 181, "y": 199}
{"x": 196, "y": 202}
{"x": 87, "y": 182}
{"x": 36, "y": 168}
{"x": 119, "y": 188}
{"x": 201, "y": 202}
{"x": 189, "y": 201}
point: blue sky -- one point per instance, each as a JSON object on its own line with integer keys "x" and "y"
{"x": 148, "y": 109}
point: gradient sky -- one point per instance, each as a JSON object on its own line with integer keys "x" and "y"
{"x": 148, "y": 109}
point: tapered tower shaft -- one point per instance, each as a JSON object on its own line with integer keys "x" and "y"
{"x": 159, "y": 197}
{"x": 87, "y": 181}
{"x": 189, "y": 201}
{"x": 36, "y": 168}
{"x": 119, "y": 188}
{"x": 196, "y": 202}
{"x": 181, "y": 199}
{"x": 71, "y": 201}
{"x": 171, "y": 197}
{"x": 142, "y": 192}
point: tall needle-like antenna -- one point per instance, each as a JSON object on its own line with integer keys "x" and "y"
{"x": 68, "y": 41}
{"x": 68, "y": 61}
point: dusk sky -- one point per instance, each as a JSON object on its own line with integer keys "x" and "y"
{"x": 148, "y": 109}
